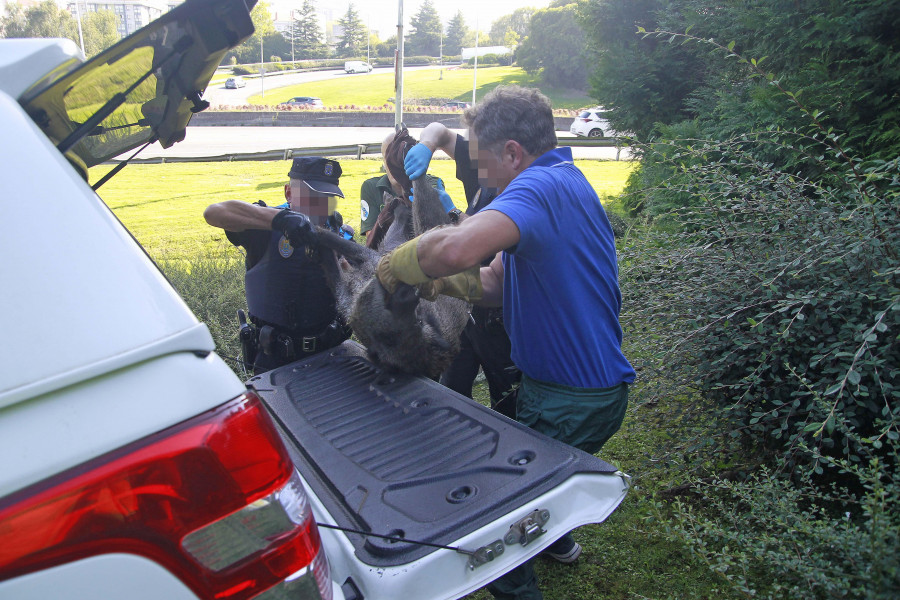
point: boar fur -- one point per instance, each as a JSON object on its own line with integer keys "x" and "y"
{"x": 400, "y": 331}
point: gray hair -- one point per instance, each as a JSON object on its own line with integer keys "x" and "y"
{"x": 510, "y": 112}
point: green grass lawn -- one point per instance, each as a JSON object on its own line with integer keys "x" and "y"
{"x": 375, "y": 88}
{"x": 163, "y": 204}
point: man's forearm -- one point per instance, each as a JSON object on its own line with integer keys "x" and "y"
{"x": 451, "y": 250}
{"x": 492, "y": 283}
{"x": 437, "y": 137}
{"x": 234, "y": 215}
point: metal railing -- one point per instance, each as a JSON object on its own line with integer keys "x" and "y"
{"x": 357, "y": 150}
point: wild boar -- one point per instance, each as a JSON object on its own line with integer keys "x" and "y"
{"x": 400, "y": 331}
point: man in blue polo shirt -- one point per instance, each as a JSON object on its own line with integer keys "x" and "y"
{"x": 554, "y": 272}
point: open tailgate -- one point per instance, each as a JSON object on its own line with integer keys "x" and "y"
{"x": 406, "y": 457}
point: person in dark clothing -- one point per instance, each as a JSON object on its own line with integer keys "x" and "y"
{"x": 292, "y": 309}
{"x": 484, "y": 342}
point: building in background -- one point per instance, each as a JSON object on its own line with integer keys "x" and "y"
{"x": 130, "y": 14}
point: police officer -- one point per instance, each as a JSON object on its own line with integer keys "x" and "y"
{"x": 292, "y": 309}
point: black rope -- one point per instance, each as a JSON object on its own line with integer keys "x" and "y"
{"x": 396, "y": 539}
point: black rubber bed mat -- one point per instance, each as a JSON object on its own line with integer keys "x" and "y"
{"x": 404, "y": 456}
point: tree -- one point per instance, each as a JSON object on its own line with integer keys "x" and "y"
{"x": 44, "y": 20}
{"x": 424, "y": 38}
{"x": 640, "y": 80}
{"x": 47, "y": 20}
{"x": 556, "y": 48}
{"x": 518, "y": 22}
{"x": 100, "y": 31}
{"x": 276, "y": 45}
{"x": 12, "y": 24}
{"x": 249, "y": 51}
{"x": 456, "y": 33}
{"x": 308, "y": 40}
{"x": 386, "y": 48}
{"x": 484, "y": 39}
{"x": 353, "y": 37}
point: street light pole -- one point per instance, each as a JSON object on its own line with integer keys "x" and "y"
{"x": 475, "y": 69}
{"x": 293, "y": 30}
{"x": 262, "y": 66}
{"x": 398, "y": 75}
{"x": 80, "y": 35}
{"x": 442, "y": 52}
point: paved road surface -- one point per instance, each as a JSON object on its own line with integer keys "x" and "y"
{"x": 213, "y": 141}
{"x": 217, "y": 95}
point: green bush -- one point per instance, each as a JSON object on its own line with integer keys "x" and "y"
{"x": 773, "y": 538}
{"x": 771, "y": 296}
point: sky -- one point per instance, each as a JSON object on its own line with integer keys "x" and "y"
{"x": 382, "y": 14}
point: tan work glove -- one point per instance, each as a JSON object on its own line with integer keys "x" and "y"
{"x": 465, "y": 285}
{"x": 401, "y": 265}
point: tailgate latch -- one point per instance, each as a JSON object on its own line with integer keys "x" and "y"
{"x": 527, "y": 529}
{"x": 485, "y": 554}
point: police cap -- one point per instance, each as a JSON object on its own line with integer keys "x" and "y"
{"x": 319, "y": 174}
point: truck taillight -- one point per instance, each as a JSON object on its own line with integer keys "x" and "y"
{"x": 215, "y": 500}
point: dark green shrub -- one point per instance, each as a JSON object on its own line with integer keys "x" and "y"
{"x": 773, "y": 538}
{"x": 780, "y": 299}
{"x": 771, "y": 295}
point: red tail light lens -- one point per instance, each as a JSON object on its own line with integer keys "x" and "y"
{"x": 226, "y": 465}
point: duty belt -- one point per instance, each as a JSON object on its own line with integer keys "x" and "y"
{"x": 282, "y": 343}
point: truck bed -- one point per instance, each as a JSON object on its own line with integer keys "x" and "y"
{"x": 403, "y": 456}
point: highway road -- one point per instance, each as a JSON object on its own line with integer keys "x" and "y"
{"x": 217, "y": 95}
{"x": 213, "y": 141}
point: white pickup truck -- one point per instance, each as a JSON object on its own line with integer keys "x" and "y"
{"x": 137, "y": 465}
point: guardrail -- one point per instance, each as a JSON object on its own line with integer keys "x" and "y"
{"x": 358, "y": 150}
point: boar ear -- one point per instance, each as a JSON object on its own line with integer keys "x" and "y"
{"x": 403, "y": 301}
{"x": 437, "y": 340}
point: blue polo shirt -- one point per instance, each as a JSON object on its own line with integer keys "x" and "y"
{"x": 561, "y": 295}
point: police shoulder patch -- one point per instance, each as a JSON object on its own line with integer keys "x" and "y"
{"x": 284, "y": 247}
{"x": 364, "y": 209}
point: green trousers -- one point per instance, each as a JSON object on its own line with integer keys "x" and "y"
{"x": 581, "y": 417}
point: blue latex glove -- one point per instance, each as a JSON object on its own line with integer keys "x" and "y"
{"x": 446, "y": 201}
{"x": 417, "y": 161}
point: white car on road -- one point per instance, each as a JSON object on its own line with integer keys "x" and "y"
{"x": 591, "y": 123}
{"x": 357, "y": 66}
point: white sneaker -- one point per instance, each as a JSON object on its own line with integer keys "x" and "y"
{"x": 565, "y": 558}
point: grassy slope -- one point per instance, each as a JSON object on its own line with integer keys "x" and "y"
{"x": 626, "y": 558}
{"x": 163, "y": 204}
{"x": 375, "y": 88}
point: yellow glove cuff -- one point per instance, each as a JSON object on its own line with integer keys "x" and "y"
{"x": 465, "y": 285}
{"x": 401, "y": 265}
